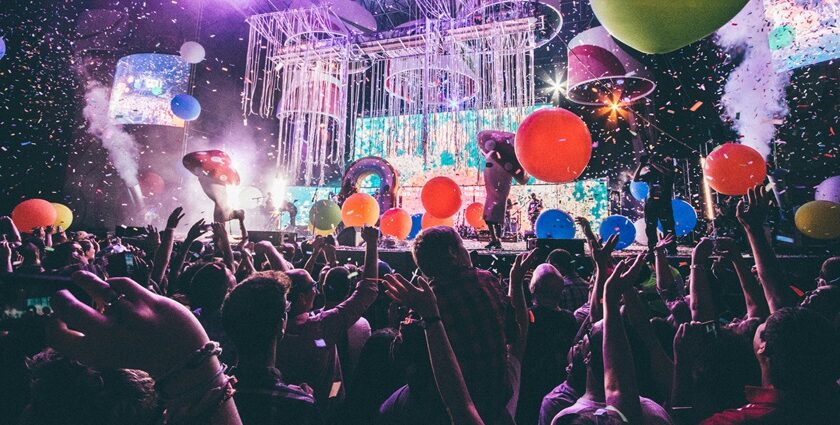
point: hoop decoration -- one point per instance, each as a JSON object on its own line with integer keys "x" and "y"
{"x": 546, "y": 13}
{"x": 455, "y": 81}
{"x": 374, "y": 165}
{"x": 599, "y": 71}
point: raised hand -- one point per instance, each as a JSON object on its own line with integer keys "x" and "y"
{"x": 703, "y": 251}
{"x": 130, "y": 328}
{"x": 583, "y": 223}
{"x": 174, "y": 218}
{"x": 154, "y": 236}
{"x": 521, "y": 265}
{"x": 420, "y": 297}
{"x": 602, "y": 253}
{"x": 752, "y": 210}
{"x": 624, "y": 275}
{"x": 664, "y": 243}
{"x": 728, "y": 249}
{"x": 687, "y": 341}
{"x": 370, "y": 235}
{"x": 196, "y": 231}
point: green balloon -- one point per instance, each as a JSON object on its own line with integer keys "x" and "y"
{"x": 325, "y": 215}
{"x": 782, "y": 37}
{"x": 662, "y": 26}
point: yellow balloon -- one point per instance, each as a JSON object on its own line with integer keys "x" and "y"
{"x": 819, "y": 220}
{"x": 63, "y": 215}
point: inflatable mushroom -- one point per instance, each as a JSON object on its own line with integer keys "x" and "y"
{"x": 215, "y": 172}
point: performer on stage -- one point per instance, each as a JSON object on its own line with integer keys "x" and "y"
{"x": 214, "y": 171}
{"x": 535, "y": 207}
{"x": 659, "y": 175}
{"x": 501, "y": 164}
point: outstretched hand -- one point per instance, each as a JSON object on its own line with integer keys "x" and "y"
{"x": 420, "y": 298}
{"x": 370, "y": 235}
{"x": 174, "y": 218}
{"x": 602, "y": 253}
{"x": 752, "y": 209}
{"x": 664, "y": 243}
{"x": 196, "y": 231}
{"x": 521, "y": 265}
{"x": 687, "y": 341}
{"x": 154, "y": 236}
{"x": 130, "y": 328}
{"x": 703, "y": 251}
{"x": 624, "y": 275}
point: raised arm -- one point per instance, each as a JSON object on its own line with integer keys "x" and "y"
{"x": 224, "y": 245}
{"x": 317, "y": 250}
{"x": 701, "y": 302}
{"x": 586, "y": 228}
{"x": 664, "y": 279}
{"x": 12, "y": 233}
{"x": 752, "y": 213}
{"x": 445, "y": 368}
{"x": 6, "y": 257}
{"x": 164, "y": 250}
{"x": 371, "y": 237}
{"x": 602, "y": 256}
{"x": 274, "y": 257}
{"x": 516, "y": 292}
{"x": 620, "y": 387}
{"x": 195, "y": 232}
{"x": 753, "y": 294}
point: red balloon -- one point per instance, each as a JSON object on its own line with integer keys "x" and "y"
{"x": 151, "y": 183}
{"x": 441, "y": 197}
{"x": 553, "y": 145}
{"x": 732, "y": 168}
{"x": 396, "y": 222}
{"x": 475, "y": 216}
{"x": 33, "y": 213}
{"x": 360, "y": 209}
{"x": 429, "y": 220}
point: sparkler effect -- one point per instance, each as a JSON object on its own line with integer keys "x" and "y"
{"x": 614, "y": 107}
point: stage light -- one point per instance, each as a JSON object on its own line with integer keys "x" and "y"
{"x": 707, "y": 194}
{"x": 278, "y": 189}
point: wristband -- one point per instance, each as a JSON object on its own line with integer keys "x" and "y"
{"x": 197, "y": 358}
{"x": 427, "y": 322}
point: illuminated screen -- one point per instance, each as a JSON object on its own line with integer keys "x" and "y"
{"x": 144, "y": 86}
{"x": 803, "y": 32}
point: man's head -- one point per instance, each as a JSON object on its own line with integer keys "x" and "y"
{"x": 64, "y": 391}
{"x": 302, "y": 291}
{"x": 830, "y": 272}
{"x": 533, "y": 195}
{"x": 439, "y": 251}
{"x": 337, "y": 284}
{"x": 209, "y": 286}
{"x": 825, "y": 300}
{"x": 88, "y": 249}
{"x": 547, "y": 286}
{"x": 590, "y": 349}
{"x": 798, "y": 351}
{"x": 563, "y": 261}
{"x": 254, "y": 313}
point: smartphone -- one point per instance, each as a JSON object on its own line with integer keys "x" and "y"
{"x": 122, "y": 264}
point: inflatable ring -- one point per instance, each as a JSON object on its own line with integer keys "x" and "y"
{"x": 364, "y": 167}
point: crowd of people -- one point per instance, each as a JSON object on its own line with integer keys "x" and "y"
{"x": 216, "y": 331}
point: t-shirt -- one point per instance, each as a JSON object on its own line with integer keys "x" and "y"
{"x": 652, "y": 413}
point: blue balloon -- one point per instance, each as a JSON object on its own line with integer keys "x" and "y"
{"x": 685, "y": 217}
{"x": 185, "y": 107}
{"x": 639, "y": 190}
{"x": 621, "y": 225}
{"x": 555, "y": 224}
{"x": 416, "y": 226}
{"x": 2, "y": 47}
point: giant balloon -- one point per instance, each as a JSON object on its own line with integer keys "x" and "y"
{"x": 829, "y": 190}
{"x": 662, "y": 26}
{"x": 555, "y": 224}
{"x": 475, "y": 216}
{"x": 732, "y": 169}
{"x": 432, "y": 221}
{"x": 192, "y": 52}
{"x": 325, "y": 215}
{"x": 360, "y": 209}
{"x": 685, "y": 217}
{"x": 63, "y": 216}
{"x": 620, "y": 225}
{"x": 395, "y": 222}
{"x": 33, "y": 213}
{"x": 553, "y": 145}
{"x": 185, "y": 107}
{"x": 416, "y": 225}
{"x": 819, "y": 220}
{"x": 640, "y": 190}
{"x": 151, "y": 183}
{"x": 2, "y": 47}
{"x": 441, "y": 197}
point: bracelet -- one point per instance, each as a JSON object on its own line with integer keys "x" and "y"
{"x": 210, "y": 349}
{"x": 427, "y": 322}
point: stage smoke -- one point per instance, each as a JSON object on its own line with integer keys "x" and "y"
{"x": 754, "y": 94}
{"x": 120, "y": 145}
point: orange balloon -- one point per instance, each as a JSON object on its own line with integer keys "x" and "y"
{"x": 360, "y": 209}
{"x": 441, "y": 197}
{"x": 33, "y": 213}
{"x": 553, "y": 145}
{"x": 475, "y": 216}
{"x": 732, "y": 168}
{"x": 396, "y": 222}
{"x": 432, "y": 221}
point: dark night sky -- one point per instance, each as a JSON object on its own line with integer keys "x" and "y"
{"x": 40, "y": 112}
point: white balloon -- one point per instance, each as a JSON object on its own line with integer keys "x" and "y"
{"x": 192, "y": 52}
{"x": 641, "y": 236}
{"x": 829, "y": 190}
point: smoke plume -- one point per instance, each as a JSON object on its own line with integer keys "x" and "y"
{"x": 120, "y": 145}
{"x": 754, "y": 95}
